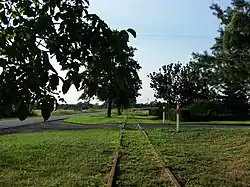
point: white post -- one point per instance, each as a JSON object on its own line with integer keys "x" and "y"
{"x": 163, "y": 120}
{"x": 177, "y": 118}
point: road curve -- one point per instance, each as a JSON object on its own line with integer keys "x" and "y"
{"x": 9, "y": 123}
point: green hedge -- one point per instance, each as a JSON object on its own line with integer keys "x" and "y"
{"x": 199, "y": 111}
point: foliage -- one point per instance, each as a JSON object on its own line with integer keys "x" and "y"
{"x": 228, "y": 66}
{"x": 177, "y": 83}
{"x": 201, "y": 110}
{"x": 116, "y": 81}
{"x": 34, "y": 32}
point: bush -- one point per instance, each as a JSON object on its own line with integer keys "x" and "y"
{"x": 155, "y": 112}
{"x": 199, "y": 111}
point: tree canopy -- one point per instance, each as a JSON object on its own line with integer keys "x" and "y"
{"x": 179, "y": 84}
{"x": 117, "y": 79}
{"x": 32, "y": 32}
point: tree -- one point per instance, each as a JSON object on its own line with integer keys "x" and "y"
{"x": 119, "y": 77}
{"x": 34, "y": 31}
{"x": 228, "y": 65}
{"x": 178, "y": 84}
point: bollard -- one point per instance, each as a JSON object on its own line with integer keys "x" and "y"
{"x": 177, "y": 118}
{"x": 163, "y": 120}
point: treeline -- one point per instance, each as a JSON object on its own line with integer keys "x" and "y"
{"x": 217, "y": 83}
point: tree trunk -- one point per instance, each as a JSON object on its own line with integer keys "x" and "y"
{"x": 109, "y": 107}
{"x": 119, "y": 110}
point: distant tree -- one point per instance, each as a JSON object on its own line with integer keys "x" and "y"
{"x": 118, "y": 79}
{"x": 228, "y": 67}
{"x": 180, "y": 84}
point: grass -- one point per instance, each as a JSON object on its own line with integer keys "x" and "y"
{"x": 212, "y": 123}
{"x": 132, "y": 118}
{"x": 69, "y": 158}
{"x": 96, "y": 119}
{"x": 59, "y": 112}
{"x": 138, "y": 165}
{"x": 206, "y": 157}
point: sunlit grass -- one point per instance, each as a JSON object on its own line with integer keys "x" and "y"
{"x": 206, "y": 157}
{"x": 75, "y": 158}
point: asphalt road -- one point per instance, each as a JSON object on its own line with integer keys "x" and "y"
{"x": 15, "y": 122}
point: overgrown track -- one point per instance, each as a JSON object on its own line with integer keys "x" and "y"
{"x": 157, "y": 155}
{"x": 113, "y": 171}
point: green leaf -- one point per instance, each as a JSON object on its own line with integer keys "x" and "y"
{"x": 47, "y": 108}
{"x": 77, "y": 80}
{"x": 132, "y": 31}
{"x": 87, "y": 1}
{"x": 58, "y": 3}
{"x": 23, "y": 111}
{"x": 125, "y": 35}
{"x": 3, "y": 17}
{"x": 15, "y": 22}
{"x": 66, "y": 86}
{"x": 54, "y": 81}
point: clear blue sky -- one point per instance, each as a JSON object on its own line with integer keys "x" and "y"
{"x": 168, "y": 31}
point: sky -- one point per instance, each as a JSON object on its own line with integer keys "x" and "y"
{"x": 167, "y": 31}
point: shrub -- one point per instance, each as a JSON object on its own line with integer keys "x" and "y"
{"x": 154, "y": 111}
{"x": 199, "y": 111}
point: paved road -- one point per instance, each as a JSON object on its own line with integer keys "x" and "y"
{"x": 15, "y": 122}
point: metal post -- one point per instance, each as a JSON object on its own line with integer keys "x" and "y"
{"x": 177, "y": 118}
{"x": 163, "y": 120}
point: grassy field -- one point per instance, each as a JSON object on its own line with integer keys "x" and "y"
{"x": 210, "y": 123}
{"x": 79, "y": 158}
{"x": 138, "y": 165}
{"x": 132, "y": 118}
{"x": 96, "y": 119}
{"x": 206, "y": 157}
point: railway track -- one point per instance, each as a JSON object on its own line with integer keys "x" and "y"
{"x": 115, "y": 166}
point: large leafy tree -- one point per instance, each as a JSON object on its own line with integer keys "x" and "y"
{"x": 117, "y": 79}
{"x": 34, "y": 31}
{"x": 228, "y": 66}
{"x": 179, "y": 84}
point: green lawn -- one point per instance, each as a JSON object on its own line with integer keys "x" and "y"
{"x": 61, "y": 112}
{"x": 138, "y": 165}
{"x": 211, "y": 123}
{"x": 69, "y": 158}
{"x": 96, "y": 119}
{"x": 115, "y": 119}
{"x": 206, "y": 157}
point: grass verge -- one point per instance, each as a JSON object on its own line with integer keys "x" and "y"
{"x": 138, "y": 165}
{"x": 70, "y": 158}
{"x": 211, "y": 123}
{"x": 206, "y": 157}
